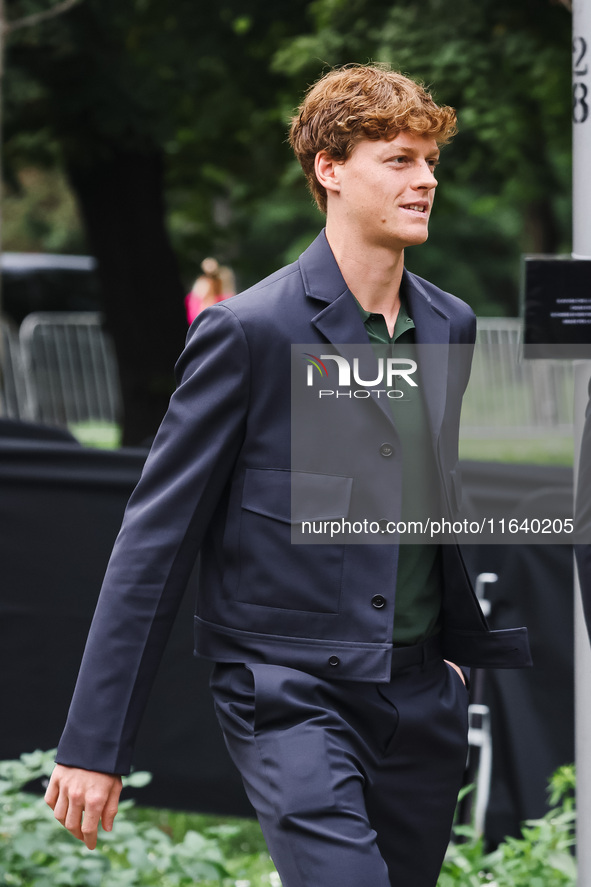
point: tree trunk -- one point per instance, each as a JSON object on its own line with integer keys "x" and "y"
{"x": 121, "y": 199}
{"x": 541, "y": 227}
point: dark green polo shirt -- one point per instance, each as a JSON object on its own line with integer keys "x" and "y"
{"x": 419, "y": 581}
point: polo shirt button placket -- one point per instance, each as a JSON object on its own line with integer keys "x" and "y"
{"x": 334, "y": 661}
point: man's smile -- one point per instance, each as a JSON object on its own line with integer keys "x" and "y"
{"x": 419, "y": 207}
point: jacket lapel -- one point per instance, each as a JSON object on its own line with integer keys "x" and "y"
{"x": 339, "y": 321}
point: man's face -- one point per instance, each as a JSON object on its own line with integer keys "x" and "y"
{"x": 387, "y": 188}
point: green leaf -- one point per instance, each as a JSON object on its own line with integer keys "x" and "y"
{"x": 137, "y": 779}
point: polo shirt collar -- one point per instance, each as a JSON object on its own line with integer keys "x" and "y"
{"x": 376, "y": 323}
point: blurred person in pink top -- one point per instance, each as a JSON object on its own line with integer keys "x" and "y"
{"x": 213, "y": 285}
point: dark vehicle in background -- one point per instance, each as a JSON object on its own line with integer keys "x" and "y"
{"x": 47, "y": 282}
{"x": 57, "y": 364}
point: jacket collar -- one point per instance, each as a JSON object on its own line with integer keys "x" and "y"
{"x": 324, "y": 282}
{"x": 340, "y": 322}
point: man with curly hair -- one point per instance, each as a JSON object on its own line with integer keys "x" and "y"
{"x": 336, "y": 680}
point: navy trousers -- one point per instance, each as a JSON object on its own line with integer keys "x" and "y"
{"x": 354, "y": 784}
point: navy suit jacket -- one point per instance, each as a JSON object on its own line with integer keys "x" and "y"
{"x": 218, "y": 481}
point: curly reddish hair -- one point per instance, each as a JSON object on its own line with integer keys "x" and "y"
{"x": 362, "y": 102}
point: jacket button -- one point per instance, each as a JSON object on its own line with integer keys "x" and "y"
{"x": 378, "y": 601}
{"x": 386, "y": 449}
{"x": 334, "y": 660}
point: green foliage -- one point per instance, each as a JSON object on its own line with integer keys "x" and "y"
{"x": 35, "y": 851}
{"x": 213, "y": 86}
{"x": 170, "y": 849}
{"x": 192, "y": 81}
{"x": 102, "y": 435}
{"x": 529, "y": 451}
{"x": 40, "y": 214}
{"x": 541, "y": 857}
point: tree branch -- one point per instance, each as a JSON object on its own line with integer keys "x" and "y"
{"x": 29, "y": 20}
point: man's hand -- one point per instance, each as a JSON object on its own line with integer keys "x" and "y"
{"x": 80, "y": 799}
{"x": 458, "y": 669}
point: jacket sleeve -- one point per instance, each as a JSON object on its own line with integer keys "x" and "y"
{"x": 189, "y": 464}
{"x": 582, "y": 546}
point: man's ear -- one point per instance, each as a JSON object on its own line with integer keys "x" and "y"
{"x": 327, "y": 171}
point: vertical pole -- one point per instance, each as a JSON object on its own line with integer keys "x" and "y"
{"x": 582, "y": 250}
{"x": 2, "y": 48}
{"x": 2, "y": 343}
{"x": 2, "y": 41}
{"x": 582, "y": 675}
{"x": 581, "y": 129}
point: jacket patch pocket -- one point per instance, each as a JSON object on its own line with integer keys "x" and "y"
{"x": 274, "y": 572}
{"x": 295, "y": 496}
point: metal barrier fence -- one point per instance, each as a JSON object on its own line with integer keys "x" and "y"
{"x": 62, "y": 370}
{"x": 511, "y": 397}
{"x": 14, "y": 400}
{"x": 70, "y": 369}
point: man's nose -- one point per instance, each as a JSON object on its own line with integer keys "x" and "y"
{"x": 425, "y": 178}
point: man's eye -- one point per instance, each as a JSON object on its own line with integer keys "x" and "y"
{"x": 433, "y": 163}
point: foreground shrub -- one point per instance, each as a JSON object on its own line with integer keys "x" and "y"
{"x": 541, "y": 857}
{"x": 35, "y": 851}
{"x": 164, "y": 849}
